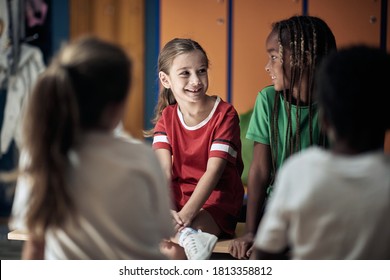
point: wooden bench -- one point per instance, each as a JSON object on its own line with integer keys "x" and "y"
{"x": 222, "y": 245}
{"x": 17, "y": 235}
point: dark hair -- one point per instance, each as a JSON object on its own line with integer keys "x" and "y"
{"x": 353, "y": 94}
{"x": 307, "y": 40}
{"x": 69, "y": 98}
{"x": 169, "y": 52}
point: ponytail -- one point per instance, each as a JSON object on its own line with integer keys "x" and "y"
{"x": 58, "y": 112}
{"x": 53, "y": 124}
{"x": 165, "y": 98}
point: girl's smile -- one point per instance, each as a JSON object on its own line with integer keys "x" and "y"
{"x": 188, "y": 77}
{"x": 274, "y": 66}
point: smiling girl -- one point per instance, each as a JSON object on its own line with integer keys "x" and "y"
{"x": 285, "y": 116}
{"x": 197, "y": 139}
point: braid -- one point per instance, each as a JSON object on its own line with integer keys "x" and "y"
{"x": 308, "y": 39}
{"x": 312, "y": 73}
{"x": 300, "y": 64}
{"x": 292, "y": 34}
{"x": 287, "y": 105}
{"x": 303, "y": 41}
{"x": 275, "y": 134}
{"x": 275, "y": 114}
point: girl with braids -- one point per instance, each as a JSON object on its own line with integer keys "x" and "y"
{"x": 197, "y": 139}
{"x": 341, "y": 209}
{"x": 82, "y": 189}
{"x": 285, "y": 116}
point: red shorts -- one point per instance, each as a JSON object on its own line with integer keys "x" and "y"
{"x": 226, "y": 222}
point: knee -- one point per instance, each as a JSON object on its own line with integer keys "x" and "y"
{"x": 172, "y": 250}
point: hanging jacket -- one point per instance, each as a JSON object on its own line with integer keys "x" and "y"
{"x": 19, "y": 86}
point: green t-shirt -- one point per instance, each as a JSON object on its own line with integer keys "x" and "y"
{"x": 259, "y": 129}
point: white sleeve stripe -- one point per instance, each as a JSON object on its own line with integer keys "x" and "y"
{"x": 224, "y": 148}
{"x": 160, "y": 139}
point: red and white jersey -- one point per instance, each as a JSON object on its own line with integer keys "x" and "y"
{"x": 216, "y": 136}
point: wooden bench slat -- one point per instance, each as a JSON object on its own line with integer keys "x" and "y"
{"x": 222, "y": 245}
{"x": 17, "y": 235}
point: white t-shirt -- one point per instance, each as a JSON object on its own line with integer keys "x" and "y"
{"x": 327, "y": 206}
{"x": 121, "y": 196}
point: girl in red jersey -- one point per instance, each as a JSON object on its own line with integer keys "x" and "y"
{"x": 197, "y": 139}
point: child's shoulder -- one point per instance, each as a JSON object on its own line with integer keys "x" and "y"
{"x": 169, "y": 110}
{"x": 127, "y": 140}
{"x": 118, "y": 143}
{"x": 225, "y": 106}
{"x": 133, "y": 152}
{"x": 266, "y": 97}
{"x": 310, "y": 156}
{"x": 268, "y": 91}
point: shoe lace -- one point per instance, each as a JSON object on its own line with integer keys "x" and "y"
{"x": 191, "y": 247}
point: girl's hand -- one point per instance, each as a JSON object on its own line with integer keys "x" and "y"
{"x": 242, "y": 247}
{"x": 187, "y": 216}
{"x": 178, "y": 223}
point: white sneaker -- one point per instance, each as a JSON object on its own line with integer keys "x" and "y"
{"x": 199, "y": 245}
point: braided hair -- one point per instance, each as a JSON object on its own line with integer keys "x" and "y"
{"x": 303, "y": 42}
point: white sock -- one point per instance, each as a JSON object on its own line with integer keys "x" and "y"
{"x": 184, "y": 233}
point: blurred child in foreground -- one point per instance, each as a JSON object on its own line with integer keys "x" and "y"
{"x": 335, "y": 204}
{"x": 84, "y": 193}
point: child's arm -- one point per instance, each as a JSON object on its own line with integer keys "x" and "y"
{"x": 206, "y": 184}
{"x": 33, "y": 249}
{"x": 165, "y": 159}
{"x": 258, "y": 181}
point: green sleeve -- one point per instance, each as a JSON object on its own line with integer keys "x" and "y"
{"x": 260, "y": 124}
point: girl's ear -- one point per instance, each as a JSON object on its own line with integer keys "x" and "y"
{"x": 164, "y": 79}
